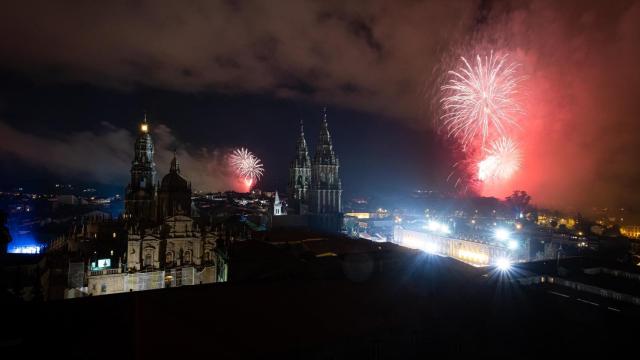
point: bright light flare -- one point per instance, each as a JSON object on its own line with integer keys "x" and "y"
{"x": 435, "y": 226}
{"x": 503, "y": 264}
{"x": 502, "y": 234}
{"x": 419, "y": 244}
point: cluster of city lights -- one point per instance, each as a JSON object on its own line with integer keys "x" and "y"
{"x": 418, "y": 244}
{"x": 438, "y": 227}
{"x": 26, "y": 249}
{"x": 503, "y": 235}
{"x": 475, "y": 257}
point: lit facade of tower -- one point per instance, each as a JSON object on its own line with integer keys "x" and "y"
{"x": 300, "y": 176}
{"x": 140, "y": 196}
{"x": 277, "y": 205}
{"x": 325, "y": 194}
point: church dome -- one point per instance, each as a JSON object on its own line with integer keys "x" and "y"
{"x": 173, "y": 181}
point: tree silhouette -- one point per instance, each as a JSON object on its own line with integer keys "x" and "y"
{"x": 518, "y": 201}
{"x": 5, "y": 237}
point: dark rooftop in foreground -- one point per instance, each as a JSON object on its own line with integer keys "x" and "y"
{"x": 384, "y": 304}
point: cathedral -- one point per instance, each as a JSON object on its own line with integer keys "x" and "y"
{"x": 315, "y": 188}
{"x": 165, "y": 246}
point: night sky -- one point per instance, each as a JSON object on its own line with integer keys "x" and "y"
{"x": 76, "y": 78}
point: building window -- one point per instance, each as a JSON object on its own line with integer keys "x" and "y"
{"x": 187, "y": 257}
{"x": 169, "y": 257}
{"x": 103, "y": 288}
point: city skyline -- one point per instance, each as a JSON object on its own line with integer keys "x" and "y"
{"x": 211, "y": 92}
{"x": 384, "y": 179}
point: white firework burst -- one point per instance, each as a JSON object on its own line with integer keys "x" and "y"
{"x": 480, "y": 100}
{"x": 502, "y": 161}
{"x": 246, "y": 165}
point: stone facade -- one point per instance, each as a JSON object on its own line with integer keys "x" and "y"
{"x": 315, "y": 187}
{"x": 325, "y": 195}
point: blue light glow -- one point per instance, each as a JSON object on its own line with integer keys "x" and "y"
{"x": 24, "y": 244}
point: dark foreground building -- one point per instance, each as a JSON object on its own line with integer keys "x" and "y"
{"x": 309, "y": 297}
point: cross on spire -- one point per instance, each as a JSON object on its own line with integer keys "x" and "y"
{"x": 175, "y": 165}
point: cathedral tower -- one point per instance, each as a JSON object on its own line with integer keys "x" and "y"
{"x": 300, "y": 176}
{"x": 140, "y": 196}
{"x": 325, "y": 195}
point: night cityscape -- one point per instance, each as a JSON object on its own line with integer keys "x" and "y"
{"x": 319, "y": 179}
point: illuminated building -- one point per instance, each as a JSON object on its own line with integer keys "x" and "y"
{"x": 164, "y": 246}
{"x": 630, "y": 231}
{"x": 140, "y": 194}
{"x": 277, "y": 205}
{"x": 300, "y": 176}
{"x": 477, "y": 253}
{"x": 326, "y": 187}
{"x": 315, "y": 189}
{"x": 359, "y": 215}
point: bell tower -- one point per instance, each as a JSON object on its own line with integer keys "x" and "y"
{"x": 326, "y": 187}
{"x": 300, "y": 176}
{"x": 140, "y": 196}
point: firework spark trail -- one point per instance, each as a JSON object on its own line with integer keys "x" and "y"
{"x": 480, "y": 100}
{"x": 502, "y": 161}
{"x": 246, "y": 165}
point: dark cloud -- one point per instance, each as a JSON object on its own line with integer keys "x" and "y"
{"x": 365, "y": 55}
{"x": 105, "y": 156}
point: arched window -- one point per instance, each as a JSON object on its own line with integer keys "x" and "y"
{"x": 187, "y": 257}
{"x": 169, "y": 257}
{"x": 148, "y": 259}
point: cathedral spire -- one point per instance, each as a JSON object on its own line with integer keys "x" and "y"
{"x": 326, "y": 189}
{"x": 141, "y": 192}
{"x": 302, "y": 155}
{"x": 144, "y": 127}
{"x": 175, "y": 165}
{"x": 299, "y": 174}
{"x": 324, "y": 149}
